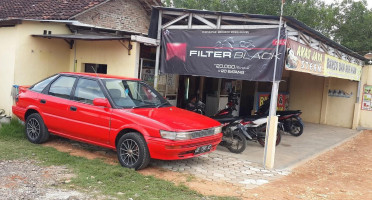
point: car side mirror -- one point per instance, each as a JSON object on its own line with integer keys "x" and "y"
{"x": 101, "y": 102}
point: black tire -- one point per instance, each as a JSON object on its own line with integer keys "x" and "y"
{"x": 296, "y": 128}
{"x": 240, "y": 143}
{"x": 261, "y": 140}
{"x": 132, "y": 151}
{"x": 35, "y": 129}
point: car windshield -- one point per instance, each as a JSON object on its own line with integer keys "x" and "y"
{"x": 133, "y": 94}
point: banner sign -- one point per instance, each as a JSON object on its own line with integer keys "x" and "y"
{"x": 233, "y": 54}
{"x": 335, "y": 67}
{"x": 283, "y": 100}
{"x": 367, "y": 98}
{"x": 302, "y": 58}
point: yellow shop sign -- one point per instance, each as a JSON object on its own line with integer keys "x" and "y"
{"x": 302, "y": 58}
{"x": 334, "y": 67}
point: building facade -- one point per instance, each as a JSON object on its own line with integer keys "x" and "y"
{"x": 44, "y": 38}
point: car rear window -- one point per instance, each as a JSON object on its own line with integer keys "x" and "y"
{"x": 39, "y": 87}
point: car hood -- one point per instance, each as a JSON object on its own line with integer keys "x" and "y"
{"x": 177, "y": 119}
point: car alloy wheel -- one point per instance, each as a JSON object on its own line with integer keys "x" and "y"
{"x": 36, "y": 131}
{"x": 129, "y": 152}
{"x": 33, "y": 129}
{"x": 132, "y": 151}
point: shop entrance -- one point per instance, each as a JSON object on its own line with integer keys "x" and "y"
{"x": 214, "y": 93}
{"x": 189, "y": 87}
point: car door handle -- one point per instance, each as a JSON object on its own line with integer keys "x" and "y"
{"x": 42, "y": 101}
{"x": 73, "y": 108}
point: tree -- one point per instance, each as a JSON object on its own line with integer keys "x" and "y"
{"x": 354, "y": 28}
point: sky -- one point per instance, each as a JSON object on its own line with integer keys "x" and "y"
{"x": 331, "y": 1}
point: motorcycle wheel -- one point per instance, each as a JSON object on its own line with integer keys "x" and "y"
{"x": 261, "y": 140}
{"x": 296, "y": 128}
{"x": 239, "y": 143}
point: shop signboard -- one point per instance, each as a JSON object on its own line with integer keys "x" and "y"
{"x": 233, "y": 54}
{"x": 367, "y": 98}
{"x": 338, "y": 68}
{"x": 283, "y": 100}
{"x": 302, "y": 58}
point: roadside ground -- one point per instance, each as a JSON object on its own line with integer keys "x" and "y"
{"x": 30, "y": 171}
{"x": 340, "y": 173}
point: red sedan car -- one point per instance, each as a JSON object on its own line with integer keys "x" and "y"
{"x": 114, "y": 112}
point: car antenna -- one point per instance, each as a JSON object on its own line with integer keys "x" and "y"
{"x": 95, "y": 71}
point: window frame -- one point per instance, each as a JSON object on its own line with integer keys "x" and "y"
{"x": 92, "y": 79}
{"x": 46, "y": 89}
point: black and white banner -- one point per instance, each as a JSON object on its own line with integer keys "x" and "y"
{"x": 233, "y": 54}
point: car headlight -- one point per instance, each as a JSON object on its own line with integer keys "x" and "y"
{"x": 217, "y": 130}
{"x": 171, "y": 135}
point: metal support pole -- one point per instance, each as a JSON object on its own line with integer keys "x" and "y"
{"x": 272, "y": 123}
{"x": 255, "y": 101}
{"x": 140, "y": 69}
{"x": 75, "y": 61}
{"x": 156, "y": 76}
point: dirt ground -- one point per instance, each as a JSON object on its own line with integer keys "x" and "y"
{"x": 344, "y": 172}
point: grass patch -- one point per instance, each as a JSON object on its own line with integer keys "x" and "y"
{"x": 91, "y": 175}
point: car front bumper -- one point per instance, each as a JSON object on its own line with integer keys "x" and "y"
{"x": 165, "y": 149}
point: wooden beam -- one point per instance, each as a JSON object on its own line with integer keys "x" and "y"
{"x": 219, "y": 21}
{"x": 324, "y": 47}
{"x": 303, "y": 38}
{"x": 175, "y": 20}
{"x": 247, "y": 19}
{"x": 189, "y": 25}
{"x": 205, "y": 21}
{"x": 248, "y": 26}
{"x": 223, "y": 27}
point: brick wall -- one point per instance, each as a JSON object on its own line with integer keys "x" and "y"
{"x": 128, "y": 15}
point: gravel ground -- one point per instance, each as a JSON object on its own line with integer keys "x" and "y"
{"x": 27, "y": 180}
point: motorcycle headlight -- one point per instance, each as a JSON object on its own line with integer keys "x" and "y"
{"x": 171, "y": 135}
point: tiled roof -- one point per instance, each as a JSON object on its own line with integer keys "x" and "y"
{"x": 44, "y": 9}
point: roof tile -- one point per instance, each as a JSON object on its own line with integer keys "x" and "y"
{"x": 44, "y": 9}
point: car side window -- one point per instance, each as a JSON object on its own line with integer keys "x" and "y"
{"x": 39, "y": 87}
{"x": 62, "y": 87}
{"x": 87, "y": 90}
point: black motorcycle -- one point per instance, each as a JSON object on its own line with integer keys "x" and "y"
{"x": 292, "y": 122}
{"x": 233, "y": 138}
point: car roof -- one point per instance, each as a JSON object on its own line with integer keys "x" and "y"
{"x": 100, "y": 75}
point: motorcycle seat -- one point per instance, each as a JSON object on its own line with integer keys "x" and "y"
{"x": 225, "y": 119}
{"x": 253, "y": 117}
{"x": 288, "y": 112}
